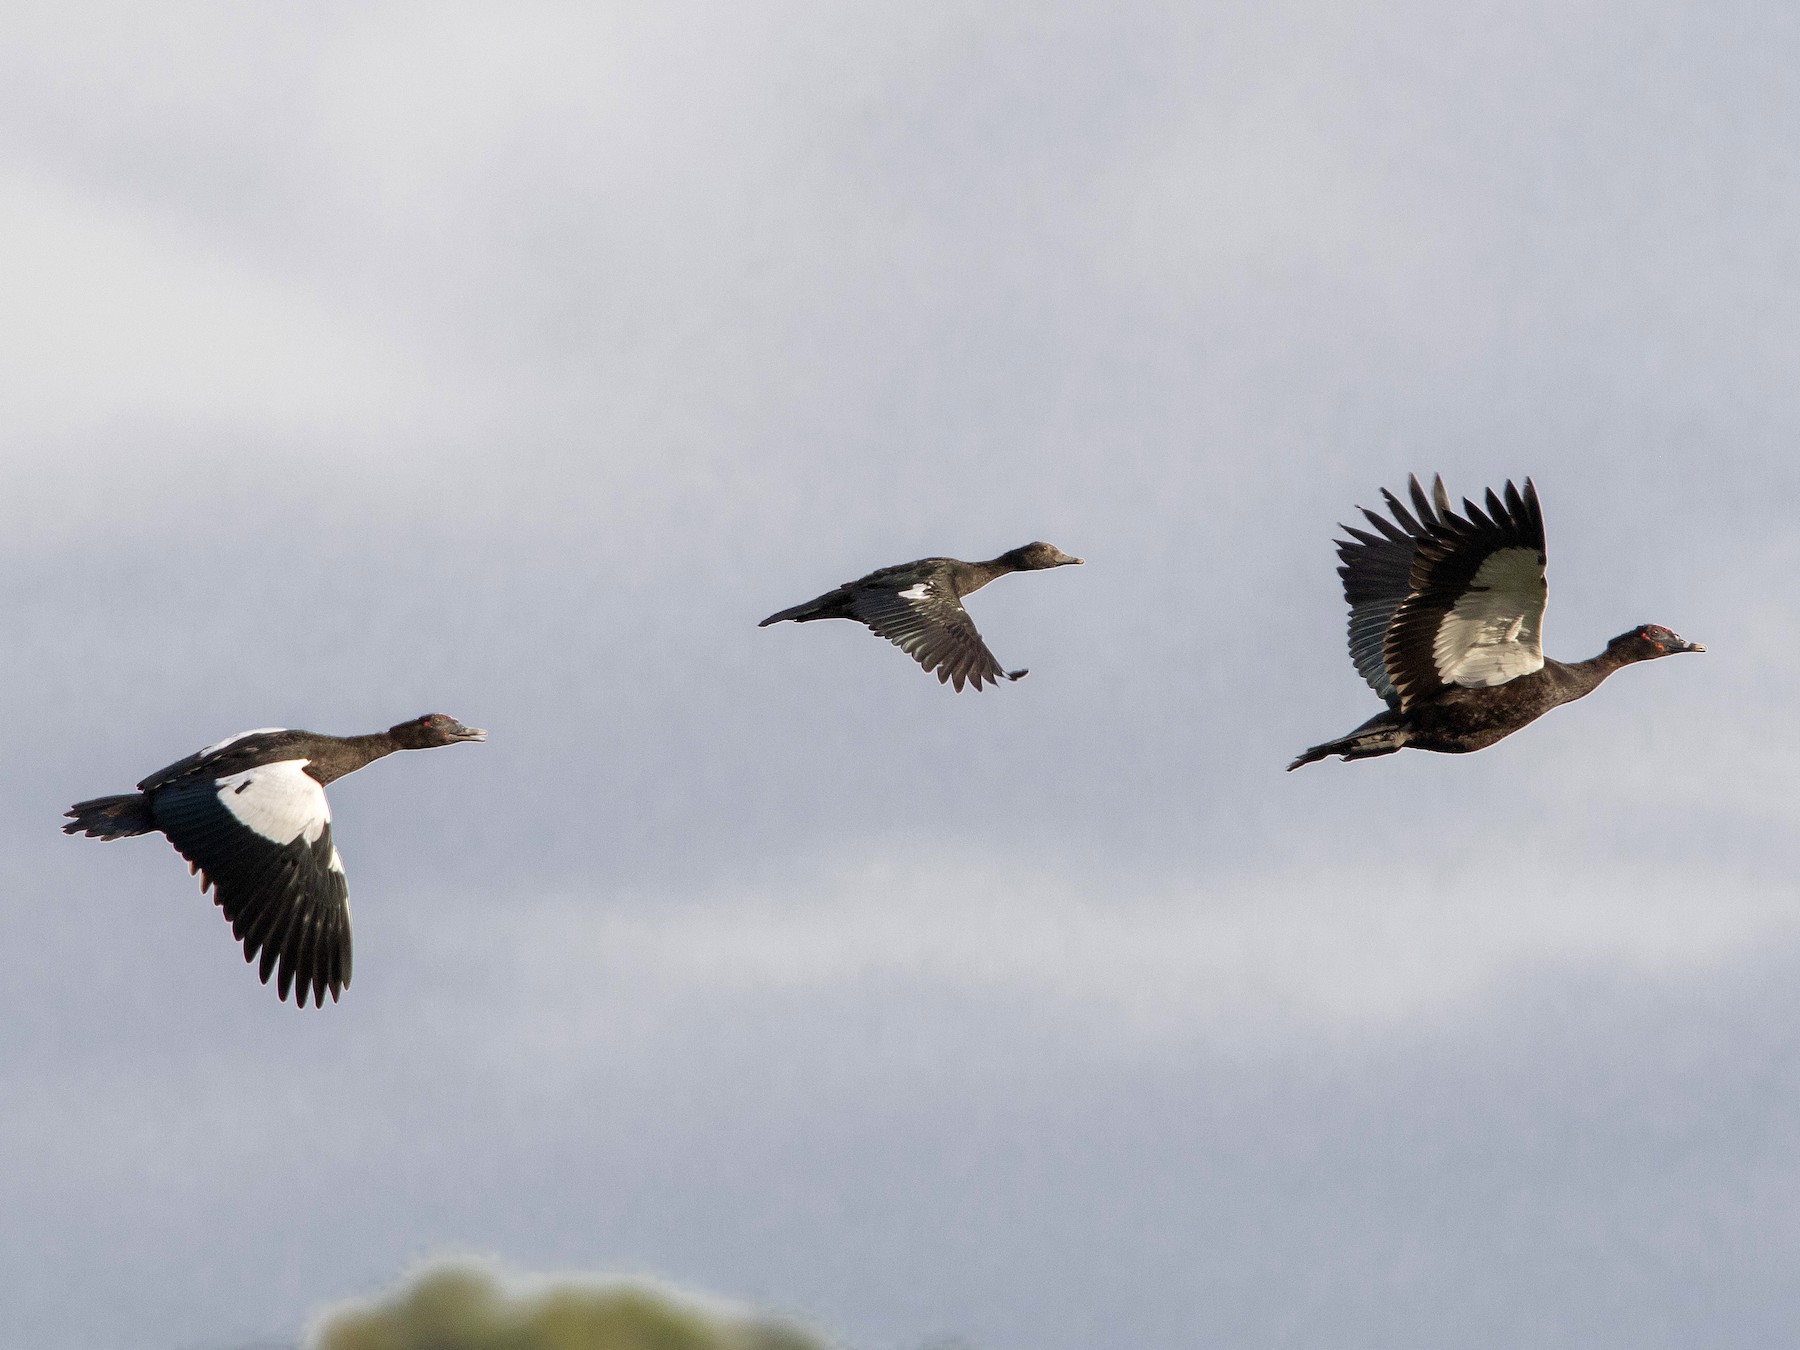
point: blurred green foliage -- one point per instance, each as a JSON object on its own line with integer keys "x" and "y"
{"x": 462, "y": 1307}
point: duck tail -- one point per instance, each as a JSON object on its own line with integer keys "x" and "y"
{"x": 831, "y": 605}
{"x": 111, "y": 817}
{"x": 1380, "y": 735}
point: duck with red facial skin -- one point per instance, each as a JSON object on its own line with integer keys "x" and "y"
{"x": 1446, "y": 613}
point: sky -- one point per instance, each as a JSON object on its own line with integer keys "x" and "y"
{"x": 512, "y": 362}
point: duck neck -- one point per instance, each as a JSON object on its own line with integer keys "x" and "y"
{"x": 973, "y": 576}
{"x": 1583, "y": 677}
{"x": 346, "y": 754}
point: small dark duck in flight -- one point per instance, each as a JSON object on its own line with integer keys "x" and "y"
{"x": 249, "y": 814}
{"x": 1446, "y": 617}
{"x": 917, "y": 606}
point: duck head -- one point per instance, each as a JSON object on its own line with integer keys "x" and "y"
{"x": 421, "y": 733}
{"x": 1035, "y": 557}
{"x": 1648, "y": 641}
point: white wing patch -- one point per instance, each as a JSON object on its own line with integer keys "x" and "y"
{"x": 279, "y": 801}
{"x": 920, "y": 590}
{"x": 1493, "y": 634}
{"x": 233, "y": 740}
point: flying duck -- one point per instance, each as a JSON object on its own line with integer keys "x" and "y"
{"x": 917, "y": 606}
{"x": 249, "y": 814}
{"x": 1446, "y": 618}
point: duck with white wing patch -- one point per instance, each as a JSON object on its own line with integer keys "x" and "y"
{"x": 250, "y": 816}
{"x": 1446, "y": 618}
{"x": 918, "y": 607}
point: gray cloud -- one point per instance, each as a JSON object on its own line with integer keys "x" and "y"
{"x": 362, "y": 363}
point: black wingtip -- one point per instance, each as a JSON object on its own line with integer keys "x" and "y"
{"x": 1015, "y": 674}
{"x": 1399, "y": 513}
{"x": 1534, "y": 509}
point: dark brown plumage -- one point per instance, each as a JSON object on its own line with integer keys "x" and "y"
{"x": 1446, "y": 616}
{"x": 917, "y": 606}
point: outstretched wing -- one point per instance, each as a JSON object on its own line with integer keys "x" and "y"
{"x": 1377, "y": 573}
{"x": 926, "y": 620}
{"x": 1475, "y": 614}
{"x": 261, "y": 839}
